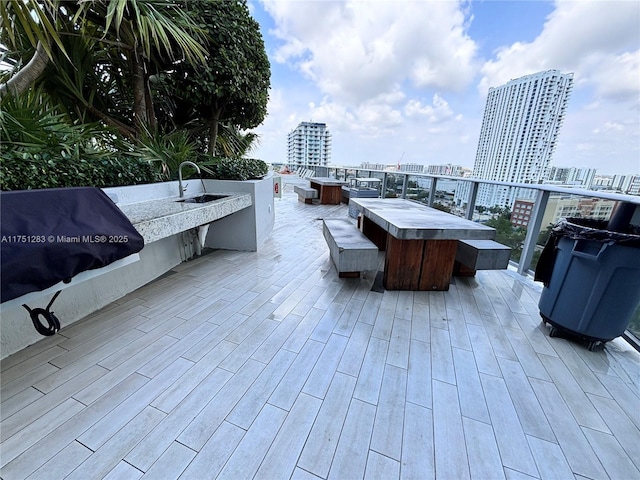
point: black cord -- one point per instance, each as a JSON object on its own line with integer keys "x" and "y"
{"x": 52, "y": 326}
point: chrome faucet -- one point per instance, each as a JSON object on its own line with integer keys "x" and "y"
{"x": 180, "y": 176}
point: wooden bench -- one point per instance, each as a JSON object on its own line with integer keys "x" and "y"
{"x": 472, "y": 255}
{"x": 305, "y": 194}
{"x": 350, "y": 250}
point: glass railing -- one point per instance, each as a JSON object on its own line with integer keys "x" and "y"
{"x": 525, "y": 227}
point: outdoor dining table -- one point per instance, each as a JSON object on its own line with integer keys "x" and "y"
{"x": 420, "y": 242}
{"x": 329, "y": 189}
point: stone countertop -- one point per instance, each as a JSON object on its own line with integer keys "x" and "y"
{"x": 326, "y": 181}
{"x": 162, "y": 218}
{"x": 409, "y": 220}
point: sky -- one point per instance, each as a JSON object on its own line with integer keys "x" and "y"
{"x": 407, "y": 81}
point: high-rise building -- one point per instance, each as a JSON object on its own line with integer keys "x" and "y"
{"x": 519, "y": 131}
{"x": 309, "y": 144}
{"x": 631, "y": 185}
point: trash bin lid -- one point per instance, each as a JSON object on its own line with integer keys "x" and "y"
{"x": 580, "y": 229}
{"x": 589, "y": 229}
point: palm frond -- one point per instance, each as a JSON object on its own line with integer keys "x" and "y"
{"x": 35, "y": 18}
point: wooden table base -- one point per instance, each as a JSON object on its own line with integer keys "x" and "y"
{"x": 419, "y": 264}
{"x": 413, "y": 264}
{"x": 328, "y": 194}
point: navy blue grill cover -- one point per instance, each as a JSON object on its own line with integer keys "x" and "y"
{"x": 51, "y": 235}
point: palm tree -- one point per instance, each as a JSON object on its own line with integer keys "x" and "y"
{"x": 148, "y": 34}
{"x": 37, "y": 23}
{"x": 235, "y": 143}
{"x": 140, "y": 37}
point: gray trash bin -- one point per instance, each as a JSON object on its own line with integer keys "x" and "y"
{"x": 591, "y": 279}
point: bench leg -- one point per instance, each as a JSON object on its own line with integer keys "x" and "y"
{"x": 460, "y": 270}
{"x": 348, "y": 274}
{"x": 308, "y": 201}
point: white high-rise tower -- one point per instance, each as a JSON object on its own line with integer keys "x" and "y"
{"x": 309, "y": 144}
{"x": 519, "y": 131}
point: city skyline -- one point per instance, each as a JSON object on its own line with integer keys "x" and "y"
{"x": 408, "y": 81}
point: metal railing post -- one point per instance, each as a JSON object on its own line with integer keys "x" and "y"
{"x": 533, "y": 230}
{"x": 432, "y": 191}
{"x": 471, "y": 200}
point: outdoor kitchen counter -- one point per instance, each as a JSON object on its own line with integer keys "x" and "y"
{"x": 156, "y": 219}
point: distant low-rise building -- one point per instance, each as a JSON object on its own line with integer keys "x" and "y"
{"x": 567, "y": 206}
{"x": 372, "y": 166}
{"x": 521, "y": 213}
{"x": 628, "y": 184}
{"x": 411, "y": 168}
{"x": 447, "y": 169}
{"x": 572, "y": 176}
{"x": 561, "y": 207}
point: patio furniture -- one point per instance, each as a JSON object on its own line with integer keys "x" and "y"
{"x": 351, "y": 252}
{"x": 420, "y": 242}
{"x": 361, "y": 188}
{"x": 329, "y": 189}
{"x": 473, "y": 255}
{"x": 306, "y": 194}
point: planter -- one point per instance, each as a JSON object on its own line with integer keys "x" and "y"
{"x": 248, "y": 229}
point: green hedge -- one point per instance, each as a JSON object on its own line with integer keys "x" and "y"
{"x": 21, "y": 170}
{"x": 26, "y": 170}
{"x": 232, "y": 168}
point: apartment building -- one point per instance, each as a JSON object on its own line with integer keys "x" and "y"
{"x": 519, "y": 131}
{"x": 309, "y": 144}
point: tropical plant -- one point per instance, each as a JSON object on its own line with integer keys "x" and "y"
{"x": 150, "y": 36}
{"x": 136, "y": 38}
{"x": 167, "y": 151}
{"x": 442, "y": 207}
{"x": 233, "y": 142}
{"x": 108, "y": 70}
{"x": 25, "y": 23}
{"x": 28, "y": 170}
{"x": 32, "y": 123}
{"x": 233, "y": 168}
{"x": 507, "y": 234}
{"x": 233, "y": 84}
{"x": 42, "y": 149}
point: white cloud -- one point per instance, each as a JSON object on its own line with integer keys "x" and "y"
{"x": 402, "y": 77}
{"x": 438, "y": 112}
{"x": 618, "y": 78}
{"x": 356, "y": 51}
{"x": 597, "y": 41}
{"x": 609, "y": 126}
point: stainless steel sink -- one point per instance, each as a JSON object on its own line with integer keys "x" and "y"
{"x": 202, "y": 198}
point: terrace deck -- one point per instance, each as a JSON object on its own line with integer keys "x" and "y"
{"x": 267, "y": 365}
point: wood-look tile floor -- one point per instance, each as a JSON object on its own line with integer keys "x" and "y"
{"x": 266, "y": 365}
